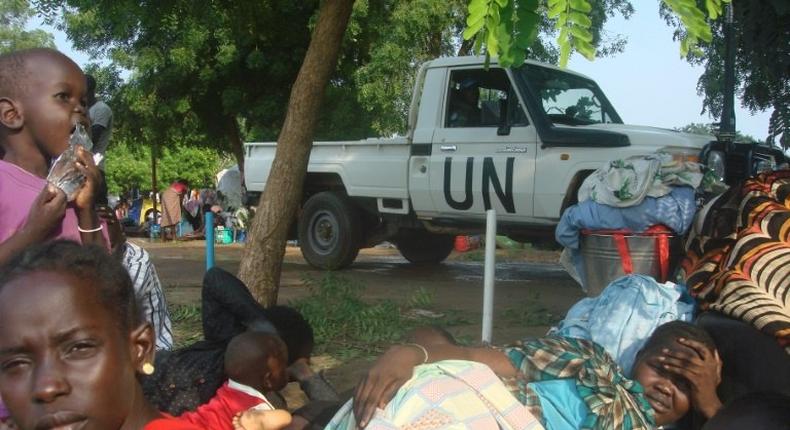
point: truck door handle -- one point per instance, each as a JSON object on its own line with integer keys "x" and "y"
{"x": 448, "y": 147}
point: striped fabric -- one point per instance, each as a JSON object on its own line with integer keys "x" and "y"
{"x": 149, "y": 293}
{"x": 739, "y": 261}
{"x": 615, "y": 402}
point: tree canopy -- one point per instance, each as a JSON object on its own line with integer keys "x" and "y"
{"x": 129, "y": 166}
{"x": 14, "y": 15}
{"x": 197, "y": 68}
{"x": 762, "y": 66}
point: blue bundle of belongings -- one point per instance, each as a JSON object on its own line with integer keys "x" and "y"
{"x": 632, "y": 196}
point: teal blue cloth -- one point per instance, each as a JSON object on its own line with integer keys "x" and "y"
{"x": 561, "y": 404}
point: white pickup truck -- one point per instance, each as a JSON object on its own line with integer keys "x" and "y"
{"x": 518, "y": 140}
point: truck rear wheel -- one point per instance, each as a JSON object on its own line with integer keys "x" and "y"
{"x": 422, "y": 247}
{"x": 330, "y": 231}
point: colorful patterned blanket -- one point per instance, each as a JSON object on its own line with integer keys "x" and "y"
{"x": 447, "y": 395}
{"x": 738, "y": 256}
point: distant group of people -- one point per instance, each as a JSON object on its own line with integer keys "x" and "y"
{"x": 86, "y": 340}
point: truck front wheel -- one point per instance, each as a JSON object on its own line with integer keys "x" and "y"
{"x": 422, "y": 247}
{"x": 330, "y": 231}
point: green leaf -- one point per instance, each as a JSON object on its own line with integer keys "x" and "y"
{"x": 561, "y": 21}
{"x": 684, "y": 47}
{"x": 565, "y": 53}
{"x": 556, "y": 10}
{"x": 502, "y": 3}
{"x": 472, "y": 30}
{"x": 478, "y": 45}
{"x": 580, "y": 19}
{"x": 563, "y": 37}
{"x": 581, "y": 6}
{"x": 493, "y": 17}
{"x": 581, "y": 33}
{"x": 527, "y": 27}
{"x": 585, "y": 49}
{"x": 478, "y": 7}
{"x": 492, "y": 45}
{"x": 506, "y": 59}
{"x": 519, "y": 55}
{"x": 714, "y": 9}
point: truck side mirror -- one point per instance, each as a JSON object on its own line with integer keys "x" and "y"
{"x": 504, "y": 123}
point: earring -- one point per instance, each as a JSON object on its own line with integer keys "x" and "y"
{"x": 148, "y": 369}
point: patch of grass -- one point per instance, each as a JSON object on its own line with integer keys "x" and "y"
{"x": 531, "y": 312}
{"x": 187, "y": 324}
{"x": 476, "y": 255}
{"x": 422, "y": 298}
{"x": 344, "y": 323}
{"x": 346, "y": 326}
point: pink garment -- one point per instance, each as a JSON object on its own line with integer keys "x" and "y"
{"x": 4, "y": 415}
{"x": 18, "y": 190}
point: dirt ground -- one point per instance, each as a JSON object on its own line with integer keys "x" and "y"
{"x": 532, "y": 291}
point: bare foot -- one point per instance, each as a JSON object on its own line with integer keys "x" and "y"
{"x": 300, "y": 370}
{"x": 255, "y": 419}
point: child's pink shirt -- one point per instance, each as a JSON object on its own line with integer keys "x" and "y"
{"x": 18, "y": 190}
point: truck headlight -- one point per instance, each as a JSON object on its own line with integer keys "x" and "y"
{"x": 716, "y": 162}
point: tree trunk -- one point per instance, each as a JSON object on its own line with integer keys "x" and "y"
{"x": 261, "y": 263}
{"x": 466, "y": 47}
{"x": 236, "y": 143}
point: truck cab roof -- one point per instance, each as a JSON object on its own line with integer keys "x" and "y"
{"x": 478, "y": 60}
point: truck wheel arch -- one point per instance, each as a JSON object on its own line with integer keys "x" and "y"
{"x": 316, "y": 182}
{"x": 572, "y": 193}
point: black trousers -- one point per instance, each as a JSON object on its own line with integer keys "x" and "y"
{"x": 229, "y": 309}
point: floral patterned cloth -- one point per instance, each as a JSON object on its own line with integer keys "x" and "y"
{"x": 626, "y": 182}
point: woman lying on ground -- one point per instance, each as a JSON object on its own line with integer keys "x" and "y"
{"x": 563, "y": 382}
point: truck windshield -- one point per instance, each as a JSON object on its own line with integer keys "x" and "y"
{"x": 567, "y": 98}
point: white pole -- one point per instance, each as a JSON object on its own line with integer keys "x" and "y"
{"x": 488, "y": 277}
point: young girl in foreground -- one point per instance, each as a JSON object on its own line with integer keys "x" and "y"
{"x": 72, "y": 343}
